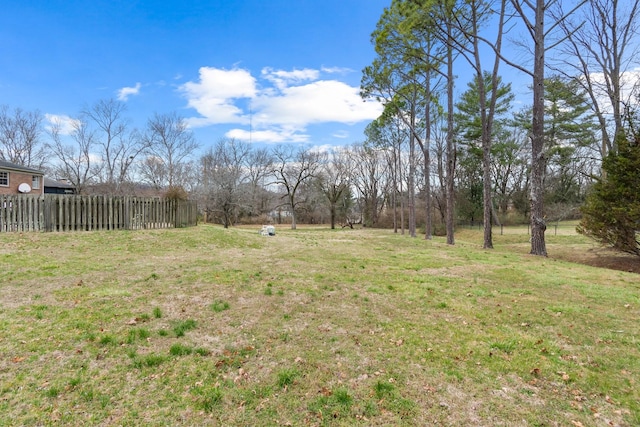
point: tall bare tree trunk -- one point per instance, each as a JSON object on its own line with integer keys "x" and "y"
{"x": 538, "y": 223}
{"x": 412, "y": 173}
{"x": 451, "y": 158}
{"x": 293, "y": 212}
{"x": 428, "y": 225}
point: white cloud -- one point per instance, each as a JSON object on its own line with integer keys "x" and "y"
{"x": 341, "y": 134}
{"x": 281, "y": 79}
{"x": 318, "y": 102}
{"x": 325, "y": 148}
{"x": 280, "y": 108}
{"x": 273, "y": 136}
{"x": 214, "y": 96}
{"x": 334, "y": 70}
{"x": 628, "y": 82}
{"x": 126, "y": 92}
{"x": 65, "y": 124}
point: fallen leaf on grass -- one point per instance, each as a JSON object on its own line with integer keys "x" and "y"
{"x": 326, "y": 392}
{"x": 429, "y": 389}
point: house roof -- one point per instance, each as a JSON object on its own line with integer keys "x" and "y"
{"x": 57, "y": 184}
{"x": 18, "y": 168}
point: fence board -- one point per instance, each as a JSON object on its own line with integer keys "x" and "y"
{"x": 55, "y": 212}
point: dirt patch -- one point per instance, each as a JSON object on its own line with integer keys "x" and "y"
{"x": 603, "y": 258}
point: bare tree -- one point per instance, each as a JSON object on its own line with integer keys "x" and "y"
{"x": 510, "y": 167}
{"x": 388, "y": 135}
{"x": 154, "y": 171}
{"x": 258, "y": 168}
{"x": 601, "y": 48}
{"x": 168, "y": 146}
{"x": 20, "y": 137}
{"x": 369, "y": 174}
{"x": 74, "y": 161}
{"x": 451, "y": 150}
{"x": 292, "y": 167}
{"x": 533, "y": 14}
{"x": 334, "y": 180}
{"x": 227, "y": 178}
{"x": 119, "y": 147}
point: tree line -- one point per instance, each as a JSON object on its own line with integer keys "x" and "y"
{"x": 99, "y": 150}
{"x": 540, "y": 160}
{"x": 432, "y": 159}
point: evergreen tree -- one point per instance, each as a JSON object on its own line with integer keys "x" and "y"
{"x": 470, "y": 151}
{"x": 569, "y": 142}
{"x": 611, "y": 214}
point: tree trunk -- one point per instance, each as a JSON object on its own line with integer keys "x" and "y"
{"x": 412, "y": 174}
{"x": 394, "y": 193}
{"x": 450, "y": 142}
{"x": 332, "y": 212}
{"x": 293, "y": 213}
{"x": 538, "y": 223}
{"x": 486, "y": 191}
{"x": 428, "y": 225}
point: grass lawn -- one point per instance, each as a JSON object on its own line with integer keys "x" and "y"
{"x": 207, "y": 326}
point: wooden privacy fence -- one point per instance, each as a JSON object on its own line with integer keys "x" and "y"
{"x": 56, "y": 212}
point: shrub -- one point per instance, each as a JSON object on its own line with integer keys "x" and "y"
{"x": 176, "y": 193}
{"x": 611, "y": 214}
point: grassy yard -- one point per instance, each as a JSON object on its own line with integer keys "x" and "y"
{"x": 206, "y": 326}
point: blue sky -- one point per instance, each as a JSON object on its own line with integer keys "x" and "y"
{"x": 288, "y": 70}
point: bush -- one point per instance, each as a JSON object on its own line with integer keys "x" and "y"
{"x": 176, "y": 193}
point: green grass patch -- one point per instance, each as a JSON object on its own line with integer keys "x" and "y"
{"x": 208, "y": 399}
{"x": 149, "y": 361}
{"x": 312, "y": 327}
{"x": 182, "y": 327}
{"x": 180, "y": 350}
{"x": 219, "y": 305}
{"x": 287, "y": 377}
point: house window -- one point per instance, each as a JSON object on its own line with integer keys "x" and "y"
{"x": 35, "y": 182}
{"x": 4, "y": 179}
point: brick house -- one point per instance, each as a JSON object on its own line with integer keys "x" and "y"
{"x": 16, "y": 179}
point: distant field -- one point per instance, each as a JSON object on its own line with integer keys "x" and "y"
{"x": 207, "y": 326}
{"x": 553, "y": 228}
